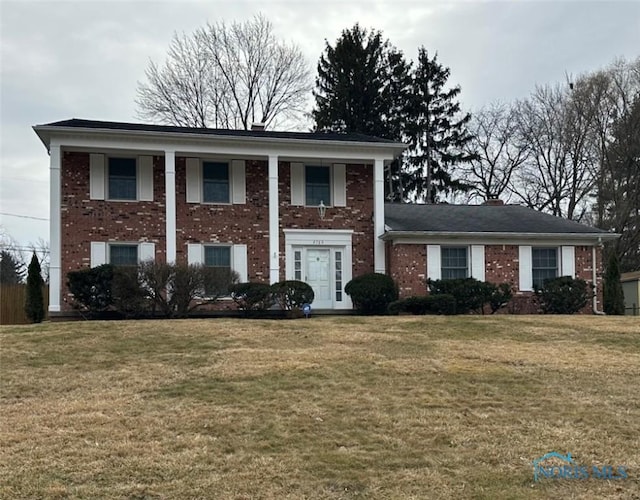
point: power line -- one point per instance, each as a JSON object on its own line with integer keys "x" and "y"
{"x": 24, "y": 216}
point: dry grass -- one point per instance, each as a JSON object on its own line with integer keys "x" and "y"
{"x": 335, "y": 407}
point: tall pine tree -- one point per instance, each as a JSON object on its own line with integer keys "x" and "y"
{"x": 357, "y": 85}
{"x": 436, "y": 133}
{"x": 365, "y": 85}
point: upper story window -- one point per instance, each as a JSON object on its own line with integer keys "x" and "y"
{"x": 215, "y": 181}
{"x": 123, "y": 255}
{"x": 544, "y": 265}
{"x": 454, "y": 261}
{"x": 122, "y": 179}
{"x": 317, "y": 185}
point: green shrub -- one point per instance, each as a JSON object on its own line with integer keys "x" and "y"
{"x": 613, "y": 295}
{"x": 500, "y": 296}
{"x": 129, "y": 297}
{"x": 91, "y": 288}
{"x": 34, "y": 302}
{"x": 291, "y": 295}
{"x": 372, "y": 293}
{"x": 420, "y": 305}
{"x": 564, "y": 295}
{"x": 471, "y": 294}
{"x": 252, "y": 298}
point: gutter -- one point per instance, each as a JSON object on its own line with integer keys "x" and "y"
{"x": 393, "y": 235}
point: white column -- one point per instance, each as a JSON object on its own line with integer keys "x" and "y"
{"x": 55, "y": 268}
{"x": 378, "y": 215}
{"x": 274, "y": 223}
{"x": 170, "y": 203}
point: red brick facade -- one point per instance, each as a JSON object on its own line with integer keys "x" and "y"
{"x": 407, "y": 265}
{"x": 85, "y": 220}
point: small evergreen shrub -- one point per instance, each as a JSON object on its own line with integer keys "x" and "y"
{"x": 129, "y": 297}
{"x": 471, "y": 294}
{"x": 613, "y": 296}
{"x": 372, "y": 293}
{"x": 91, "y": 288}
{"x": 34, "y": 301}
{"x": 291, "y": 295}
{"x": 420, "y": 305}
{"x": 252, "y": 298}
{"x": 563, "y": 295}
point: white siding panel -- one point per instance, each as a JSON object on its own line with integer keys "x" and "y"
{"x": 98, "y": 253}
{"x": 195, "y": 253}
{"x": 339, "y": 185}
{"x": 477, "y": 262}
{"x": 238, "y": 179}
{"x": 239, "y": 261}
{"x": 97, "y": 177}
{"x": 526, "y": 271}
{"x": 145, "y": 182}
{"x": 194, "y": 180}
{"x": 568, "y": 261}
{"x": 147, "y": 251}
{"x": 297, "y": 184}
{"x": 434, "y": 267}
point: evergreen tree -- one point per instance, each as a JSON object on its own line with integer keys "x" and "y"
{"x": 11, "y": 269}
{"x": 358, "y": 84}
{"x": 34, "y": 306}
{"x": 612, "y": 291}
{"x": 436, "y": 132}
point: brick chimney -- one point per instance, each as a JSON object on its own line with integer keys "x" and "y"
{"x": 257, "y": 126}
{"x": 493, "y": 201}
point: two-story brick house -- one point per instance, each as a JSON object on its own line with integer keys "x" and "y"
{"x": 280, "y": 205}
{"x": 270, "y": 205}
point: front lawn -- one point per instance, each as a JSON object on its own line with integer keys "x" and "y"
{"x": 331, "y": 407}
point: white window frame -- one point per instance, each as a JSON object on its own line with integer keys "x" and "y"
{"x": 558, "y": 260}
{"x": 337, "y": 183}
{"x": 327, "y": 203}
{"x": 101, "y": 251}
{"x": 467, "y": 259}
{"x": 99, "y": 177}
{"x": 194, "y": 178}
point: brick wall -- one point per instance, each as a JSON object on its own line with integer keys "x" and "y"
{"x": 234, "y": 224}
{"x": 84, "y": 220}
{"x": 357, "y": 215}
{"x": 407, "y": 265}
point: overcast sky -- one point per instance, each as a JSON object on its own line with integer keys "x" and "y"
{"x": 83, "y": 59}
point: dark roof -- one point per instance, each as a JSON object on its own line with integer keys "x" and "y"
{"x": 479, "y": 219}
{"x": 319, "y": 136}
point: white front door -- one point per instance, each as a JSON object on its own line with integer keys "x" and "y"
{"x": 318, "y": 276}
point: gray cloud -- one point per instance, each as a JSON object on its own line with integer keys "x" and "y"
{"x": 68, "y": 59}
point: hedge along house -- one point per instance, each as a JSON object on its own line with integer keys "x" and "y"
{"x": 492, "y": 242}
{"x": 270, "y": 205}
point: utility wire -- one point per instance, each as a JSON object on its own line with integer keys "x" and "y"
{"x": 24, "y": 216}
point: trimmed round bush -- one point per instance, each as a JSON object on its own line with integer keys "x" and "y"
{"x": 563, "y": 295}
{"x": 292, "y": 294}
{"x": 372, "y": 293}
{"x": 252, "y": 298}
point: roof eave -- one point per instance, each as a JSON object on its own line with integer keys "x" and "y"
{"x": 45, "y": 132}
{"x": 392, "y": 235}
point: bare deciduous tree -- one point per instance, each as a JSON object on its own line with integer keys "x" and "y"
{"x": 499, "y": 150}
{"x": 227, "y": 76}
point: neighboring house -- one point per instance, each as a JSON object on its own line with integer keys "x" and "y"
{"x": 631, "y": 288}
{"x": 282, "y": 205}
{"x": 247, "y": 200}
{"x": 491, "y": 242}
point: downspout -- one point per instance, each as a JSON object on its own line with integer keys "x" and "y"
{"x": 595, "y": 286}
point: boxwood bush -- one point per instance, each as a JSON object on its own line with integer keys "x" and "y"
{"x": 372, "y": 293}
{"x": 429, "y": 304}
{"x": 252, "y": 298}
{"x": 291, "y": 295}
{"x": 563, "y": 295}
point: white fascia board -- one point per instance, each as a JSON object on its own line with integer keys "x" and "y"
{"x": 444, "y": 237}
{"x": 224, "y": 144}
